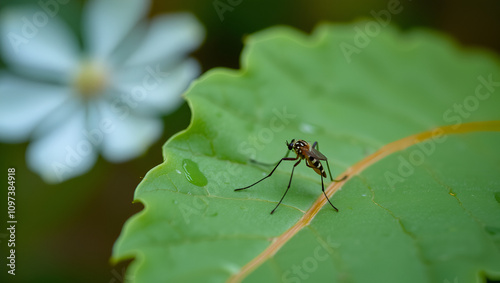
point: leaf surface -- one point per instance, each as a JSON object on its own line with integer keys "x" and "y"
{"x": 427, "y": 213}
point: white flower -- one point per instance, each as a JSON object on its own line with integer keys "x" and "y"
{"x": 73, "y": 104}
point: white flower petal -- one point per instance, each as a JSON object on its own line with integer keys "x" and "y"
{"x": 65, "y": 152}
{"x": 155, "y": 89}
{"x": 107, "y": 22}
{"x": 127, "y": 135}
{"x": 23, "y": 104}
{"x": 128, "y": 45}
{"x": 170, "y": 37}
{"x": 38, "y": 44}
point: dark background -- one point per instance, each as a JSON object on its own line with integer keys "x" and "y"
{"x": 65, "y": 232}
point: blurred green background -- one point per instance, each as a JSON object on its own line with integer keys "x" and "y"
{"x": 65, "y": 232}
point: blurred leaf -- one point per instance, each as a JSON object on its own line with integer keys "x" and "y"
{"x": 403, "y": 219}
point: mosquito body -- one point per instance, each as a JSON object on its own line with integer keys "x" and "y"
{"x": 312, "y": 156}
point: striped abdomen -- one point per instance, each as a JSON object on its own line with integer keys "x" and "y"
{"x": 316, "y": 165}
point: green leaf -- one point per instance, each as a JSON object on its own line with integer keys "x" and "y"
{"x": 427, "y": 213}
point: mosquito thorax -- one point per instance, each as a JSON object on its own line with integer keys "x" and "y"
{"x": 300, "y": 143}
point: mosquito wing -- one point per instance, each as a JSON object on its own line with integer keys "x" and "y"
{"x": 316, "y": 154}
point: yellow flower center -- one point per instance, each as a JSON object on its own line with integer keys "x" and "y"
{"x": 91, "y": 79}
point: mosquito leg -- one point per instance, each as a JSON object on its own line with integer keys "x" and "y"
{"x": 268, "y": 164}
{"x": 289, "y": 183}
{"x": 323, "y": 189}
{"x": 329, "y": 172}
{"x": 284, "y": 158}
{"x": 343, "y": 178}
{"x": 331, "y": 178}
{"x": 316, "y": 146}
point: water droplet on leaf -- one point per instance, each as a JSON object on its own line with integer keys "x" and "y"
{"x": 193, "y": 173}
{"x": 307, "y": 128}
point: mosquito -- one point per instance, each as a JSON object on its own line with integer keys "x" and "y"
{"x": 311, "y": 154}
